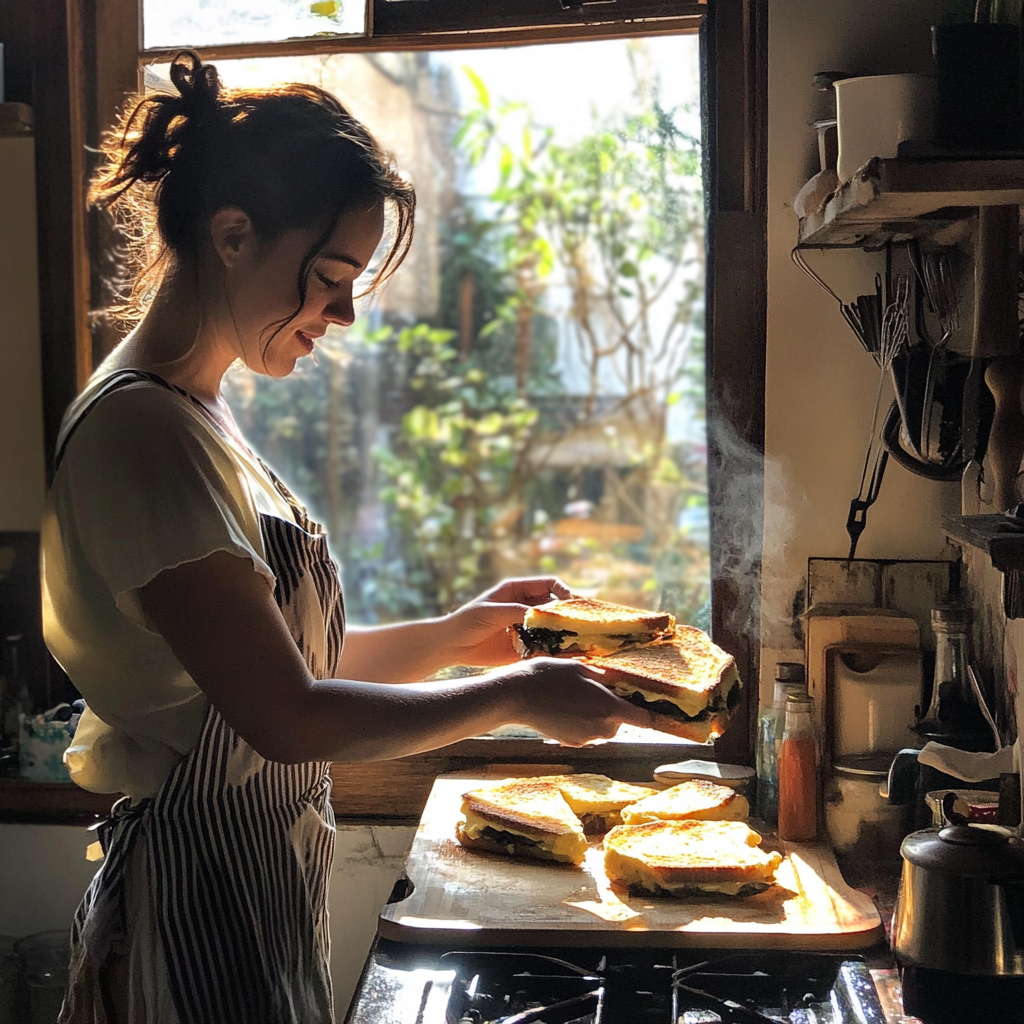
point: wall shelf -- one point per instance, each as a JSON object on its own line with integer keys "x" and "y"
{"x": 994, "y": 534}
{"x": 897, "y": 200}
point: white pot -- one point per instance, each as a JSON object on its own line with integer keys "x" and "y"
{"x": 875, "y": 114}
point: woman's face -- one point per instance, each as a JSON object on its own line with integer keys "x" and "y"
{"x": 263, "y": 291}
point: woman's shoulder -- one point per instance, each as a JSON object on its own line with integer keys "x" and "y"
{"x": 128, "y": 407}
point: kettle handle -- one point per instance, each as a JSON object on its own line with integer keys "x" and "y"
{"x": 901, "y": 787}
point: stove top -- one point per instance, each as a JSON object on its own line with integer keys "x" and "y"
{"x": 587, "y": 986}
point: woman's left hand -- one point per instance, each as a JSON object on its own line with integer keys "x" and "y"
{"x": 478, "y": 630}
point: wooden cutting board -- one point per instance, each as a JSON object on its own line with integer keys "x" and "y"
{"x": 465, "y": 897}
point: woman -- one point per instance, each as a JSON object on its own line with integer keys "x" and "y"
{"x": 195, "y": 605}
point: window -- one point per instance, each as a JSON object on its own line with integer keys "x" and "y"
{"x": 527, "y": 395}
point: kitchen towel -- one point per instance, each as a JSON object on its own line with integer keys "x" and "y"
{"x": 966, "y": 765}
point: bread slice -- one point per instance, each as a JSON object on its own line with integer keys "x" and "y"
{"x": 586, "y": 626}
{"x": 596, "y": 799}
{"x": 689, "y": 858}
{"x": 696, "y": 800}
{"x": 688, "y": 682}
{"x": 522, "y": 818}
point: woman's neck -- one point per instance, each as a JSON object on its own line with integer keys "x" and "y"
{"x": 184, "y": 337}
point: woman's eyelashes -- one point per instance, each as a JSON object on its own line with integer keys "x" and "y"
{"x": 326, "y": 281}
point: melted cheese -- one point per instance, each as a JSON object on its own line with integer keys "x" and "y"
{"x": 570, "y": 846}
{"x": 690, "y": 702}
{"x": 599, "y": 644}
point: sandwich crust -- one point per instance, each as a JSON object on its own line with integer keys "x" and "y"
{"x": 682, "y": 856}
{"x": 584, "y": 625}
{"x": 571, "y": 611}
{"x": 696, "y": 800}
{"x": 530, "y": 806}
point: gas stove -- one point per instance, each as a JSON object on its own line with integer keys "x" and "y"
{"x": 405, "y": 985}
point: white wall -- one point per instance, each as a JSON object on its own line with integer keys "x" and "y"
{"x": 22, "y": 463}
{"x": 43, "y": 874}
{"x": 821, "y": 385}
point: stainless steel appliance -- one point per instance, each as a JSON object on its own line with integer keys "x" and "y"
{"x": 958, "y": 929}
{"x": 613, "y": 986}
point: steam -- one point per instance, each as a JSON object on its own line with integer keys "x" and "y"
{"x": 754, "y": 514}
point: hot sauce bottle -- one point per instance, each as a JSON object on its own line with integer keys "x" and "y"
{"x": 798, "y": 772}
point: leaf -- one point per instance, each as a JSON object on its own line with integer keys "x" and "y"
{"x": 483, "y": 95}
{"x": 629, "y": 269}
{"x": 325, "y": 8}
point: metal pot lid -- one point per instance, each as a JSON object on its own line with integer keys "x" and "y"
{"x": 867, "y": 767}
{"x": 965, "y": 850}
{"x": 964, "y": 835}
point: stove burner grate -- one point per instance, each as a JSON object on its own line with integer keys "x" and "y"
{"x": 658, "y": 987}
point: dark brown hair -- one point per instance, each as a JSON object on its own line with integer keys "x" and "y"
{"x": 289, "y": 157}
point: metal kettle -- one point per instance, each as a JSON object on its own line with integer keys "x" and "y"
{"x": 958, "y": 927}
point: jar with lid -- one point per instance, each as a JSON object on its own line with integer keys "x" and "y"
{"x": 789, "y": 678}
{"x": 798, "y": 772}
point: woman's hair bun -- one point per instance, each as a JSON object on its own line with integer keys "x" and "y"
{"x": 197, "y": 84}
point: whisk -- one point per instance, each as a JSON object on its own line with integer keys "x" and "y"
{"x": 893, "y": 337}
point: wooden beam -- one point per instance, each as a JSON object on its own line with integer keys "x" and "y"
{"x": 57, "y": 80}
{"x": 118, "y": 42}
{"x": 734, "y": 94}
{"x": 434, "y": 40}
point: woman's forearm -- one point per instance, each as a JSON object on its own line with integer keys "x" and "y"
{"x": 383, "y": 722}
{"x": 403, "y": 652}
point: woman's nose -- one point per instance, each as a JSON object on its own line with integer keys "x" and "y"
{"x": 341, "y": 311}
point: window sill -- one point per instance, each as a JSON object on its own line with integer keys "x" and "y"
{"x": 380, "y": 792}
{"x": 395, "y": 792}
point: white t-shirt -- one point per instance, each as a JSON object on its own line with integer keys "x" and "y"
{"x": 146, "y": 482}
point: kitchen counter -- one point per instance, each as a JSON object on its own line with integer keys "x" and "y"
{"x": 383, "y": 792}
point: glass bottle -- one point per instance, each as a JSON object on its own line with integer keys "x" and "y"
{"x": 954, "y": 716}
{"x": 798, "y": 772}
{"x": 789, "y": 678}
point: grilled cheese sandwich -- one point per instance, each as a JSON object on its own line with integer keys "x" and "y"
{"x": 689, "y": 857}
{"x": 597, "y": 800}
{"x": 522, "y": 818}
{"x": 696, "y": 800}
{"x": 684, "y": 679}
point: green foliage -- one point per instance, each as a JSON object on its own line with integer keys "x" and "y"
{"x": 603, "y": 235}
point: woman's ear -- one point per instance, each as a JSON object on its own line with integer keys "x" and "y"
{"x": 232, "y": 235}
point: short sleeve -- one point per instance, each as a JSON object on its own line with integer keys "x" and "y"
{"x": 149, "y": 487}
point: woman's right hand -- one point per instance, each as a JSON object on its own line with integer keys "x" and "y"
{"x": 565, "y": 700}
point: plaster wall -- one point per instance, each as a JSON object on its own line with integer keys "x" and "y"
{"x": 820, "y": 384}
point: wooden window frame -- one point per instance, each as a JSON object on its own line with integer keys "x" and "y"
{"x": 101, "y": 41}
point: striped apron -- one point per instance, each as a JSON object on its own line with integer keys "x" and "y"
{"x": 211, "y": 903}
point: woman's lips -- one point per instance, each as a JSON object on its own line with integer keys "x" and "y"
{"x": 306, "y": 340}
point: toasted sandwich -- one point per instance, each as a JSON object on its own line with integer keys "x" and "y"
{"x": 585, "y": 626}
{"x": 689, "y": 684}
{"x": 598, "y": 800}
{"x": 696, "y": 800}
{"x": 681, "y": 858}
{"x": 522, "y": 818}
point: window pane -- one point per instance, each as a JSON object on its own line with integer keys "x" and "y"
{"x": 216, "y": 22}
{"x": 527, "y": 395}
